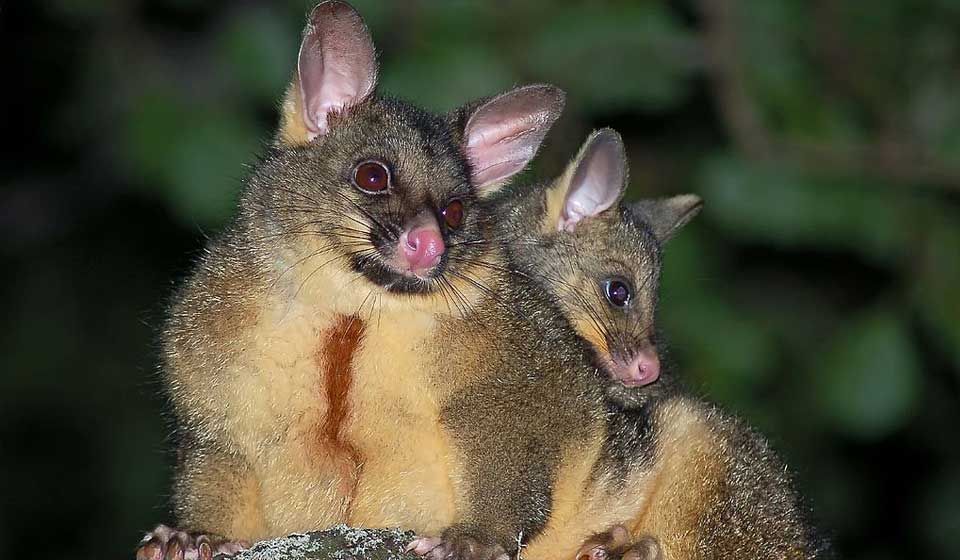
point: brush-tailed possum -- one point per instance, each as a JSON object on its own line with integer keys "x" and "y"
{"x": 606, "y": 280}
{"x": 341, "y": 353}
{"x": 685, "y": 480}
{"x": 357, "y": 348}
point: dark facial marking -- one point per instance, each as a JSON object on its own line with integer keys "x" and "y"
{"x": 379, "y": 274}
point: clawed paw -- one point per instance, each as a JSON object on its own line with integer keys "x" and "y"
{"x": 456, "y": 547}
{"x": 423, "y": 545}
{"x": 616, "y": 544}
{"x": 166, "y": 543}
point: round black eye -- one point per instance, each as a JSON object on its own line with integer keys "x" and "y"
{"x": 371, "y": 177}
{"x": 617, "y": 292}
{"x": 453, "y": 214}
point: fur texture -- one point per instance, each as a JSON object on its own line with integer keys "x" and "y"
{"x": 314, "y": 384}
{"x": 672, "y": 467}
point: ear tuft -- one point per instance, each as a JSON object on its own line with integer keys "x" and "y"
{"x": 667, "y": 215}
{"x": 504, "y": 134}
{"x": 336, "y": 68}
{"x": 593, "y": 182}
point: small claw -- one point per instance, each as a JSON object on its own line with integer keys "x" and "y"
{"x": 602, "y": 546}
{"x": 646, "y": 548}
{"x": 174, "y": 550}
{"x": 162, "y": 532}
{"x": 594, "y": 552}
{"x": 204, "y": 550}
{"x": 619, "y": 537}
{"x": 423, "y": 545}
{"x": 165, "y": 543}
{"x": 232, "y": 547}
{"x": 150, "y": 550}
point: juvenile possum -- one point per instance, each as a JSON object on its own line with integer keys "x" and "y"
{"x": 604, "y": 274}
{"x": 301, "y": 354}
{"x": 685, "y": 480}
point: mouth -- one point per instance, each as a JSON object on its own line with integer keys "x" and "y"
{"x": 409, "y": 262}
{"x": 379, "y": 270}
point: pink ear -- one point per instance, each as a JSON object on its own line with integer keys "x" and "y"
{"x": 597, "y": 179}
{"x": 504, "y": 134}
{"x": 337, "y": 64}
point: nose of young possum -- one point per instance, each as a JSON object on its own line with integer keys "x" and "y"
{"x": 421, "y": 248}
{"x": 641, "y": 369}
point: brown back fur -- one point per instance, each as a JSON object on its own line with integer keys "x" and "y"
{"x": 672, "y": 466}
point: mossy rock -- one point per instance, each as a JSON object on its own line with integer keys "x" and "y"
{"x": 338, "y": 543}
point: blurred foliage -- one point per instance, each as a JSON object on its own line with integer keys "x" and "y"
{"x": 818, "y": 295}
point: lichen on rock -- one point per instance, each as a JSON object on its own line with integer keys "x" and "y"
{"x": 337, "y": 543}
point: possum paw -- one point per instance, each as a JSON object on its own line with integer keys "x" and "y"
{"x": 456, "y": 547}
{"x": 616, "y": 544}
{"x": 165, "y": 543}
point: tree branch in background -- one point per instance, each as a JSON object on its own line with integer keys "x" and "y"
{"x": 888, "y": 158}
{"x": 721, "y": 53}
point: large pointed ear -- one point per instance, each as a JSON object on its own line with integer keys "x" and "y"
{"x": 593, "y": 182}
{"x": 503, "y": 134}
{"x": 336, "y": 69}
{"x": 666, "y": 215}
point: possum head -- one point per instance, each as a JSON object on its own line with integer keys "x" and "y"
{"x": 600, "y": 257}
{"x": 374, "y": 192}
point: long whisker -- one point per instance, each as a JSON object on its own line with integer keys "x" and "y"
{"x": 297, "y": 263}
{"x": 349, "y": 254}
{"x": 455, "y": 296}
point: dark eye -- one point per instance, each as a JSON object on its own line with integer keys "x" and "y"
{"x": 371, "y": 177}
{"x": 617, "y": 292}
{"x": 453, "y": 214}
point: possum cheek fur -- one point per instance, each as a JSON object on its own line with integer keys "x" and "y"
{"x": 606, "y": 275}
{"x": 294, "y": 351}
{"x": 408, "y": 240}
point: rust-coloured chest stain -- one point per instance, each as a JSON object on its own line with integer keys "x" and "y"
{"x": 337, "y": 349}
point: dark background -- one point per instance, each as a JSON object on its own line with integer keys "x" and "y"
{"x": 818, "y": 294}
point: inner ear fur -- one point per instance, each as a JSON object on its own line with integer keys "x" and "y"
{"x": 591, "y": 185}
{"x": 336, "y": 69}
{"x": 503, "y": 134}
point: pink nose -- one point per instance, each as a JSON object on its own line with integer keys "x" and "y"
{"x": 642, "y": 370}
{"x": 422, "y": 248}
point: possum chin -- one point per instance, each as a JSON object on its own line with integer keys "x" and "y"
{"x": 400, "y": 281}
